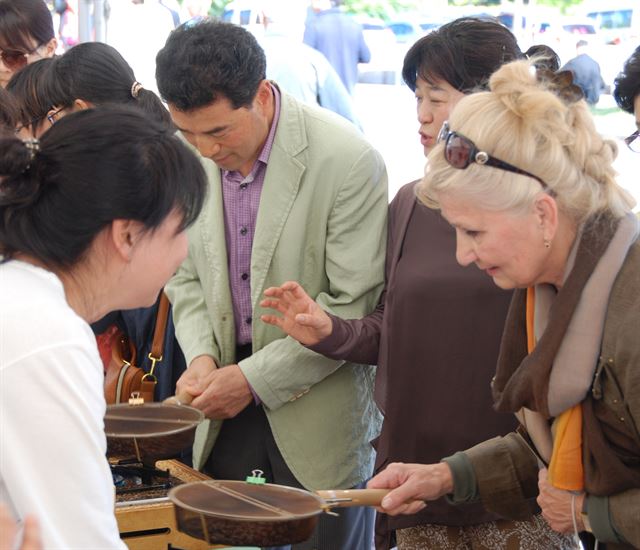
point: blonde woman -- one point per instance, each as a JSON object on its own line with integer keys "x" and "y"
{"x": 528, "y": 184}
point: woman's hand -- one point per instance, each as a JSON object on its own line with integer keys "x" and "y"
{"x": 8, "y": 530}
{"x": 556, "y": 505}
{"x": 412, "y": 484}
{"x": 302, "y": 318}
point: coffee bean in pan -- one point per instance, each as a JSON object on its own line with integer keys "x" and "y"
{"x": 254, "y": 533}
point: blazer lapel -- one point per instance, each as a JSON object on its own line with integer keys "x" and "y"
{"x": 216, "y": 277}
{"x": 281, "y": 183}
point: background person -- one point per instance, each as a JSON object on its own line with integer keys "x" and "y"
{"x": 301, "y": 70}
{"x": 8, "y": 112}
{"x": 339, "y": 37}
{"x": 27, "y": 88}
{"x": 294, "y": 192}
{"x": 26, "y": 35}
{"x": 586, "y": 73}
{"x": 627, "y": 95}
{"x": 553, "y": 224}
{"x": 92, "y": 219}
{"x": 436, "y": 330}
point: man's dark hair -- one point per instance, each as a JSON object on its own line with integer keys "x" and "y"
{"x": 627, "y": 83}
{"x": 581, "y": 43}
{"x": 22, "y": 21}
{"x": 464, "y": 53}
{"x": 207, "y": 60}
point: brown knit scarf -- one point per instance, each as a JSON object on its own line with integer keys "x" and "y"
{"x": 522, "y": 380}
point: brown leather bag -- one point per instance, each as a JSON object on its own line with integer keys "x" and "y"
{"x": 123, "y": 377}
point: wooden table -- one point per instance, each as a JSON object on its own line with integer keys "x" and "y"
{"x": 152, "y": 525}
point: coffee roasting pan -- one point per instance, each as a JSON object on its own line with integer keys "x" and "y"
{"x": 150, "y": 431}
{"x": 239, "y": 513}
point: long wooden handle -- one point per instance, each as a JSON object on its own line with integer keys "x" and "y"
{"x": 181, "y": 398}
{"x": 353, "y": 497}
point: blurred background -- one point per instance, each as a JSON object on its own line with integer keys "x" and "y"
{"x": 384, "y": 106}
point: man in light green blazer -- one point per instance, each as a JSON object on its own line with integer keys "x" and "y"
{"x": 295, "y": 193}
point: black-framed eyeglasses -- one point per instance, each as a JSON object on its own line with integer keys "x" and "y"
{"x": 29, "y": 125}
{"x": 460, "y": 152}
{"x": 633, "y": 141}
{"x": 51, "y": 117}
{"x": 16, "y": 59}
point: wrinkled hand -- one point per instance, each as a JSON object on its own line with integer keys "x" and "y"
{"x": 302, "y": 318}
{"x": 193, "y": 381}
{"x": 556, "y": 505}
{"x": 412, "y": 484}
{"x": 227, "y": 392}
{"x": 8, "y": 530}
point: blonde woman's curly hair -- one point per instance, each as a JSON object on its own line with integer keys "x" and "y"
{"x": 522, "y": 121}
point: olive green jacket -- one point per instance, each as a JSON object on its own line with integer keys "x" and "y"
{"x": 502, "y": 472}
{"x": 321, "y": 222}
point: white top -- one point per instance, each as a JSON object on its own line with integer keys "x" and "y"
{"x": 52, "y": 442}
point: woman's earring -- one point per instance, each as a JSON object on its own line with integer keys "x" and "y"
{"x": 547, "y": 243}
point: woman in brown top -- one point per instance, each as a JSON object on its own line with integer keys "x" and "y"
{"x": 436, "y": 330}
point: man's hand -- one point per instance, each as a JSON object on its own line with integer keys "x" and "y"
{"x": 556, "y": 505}
{"x": 226, "y": 393}
{"x": 412, "y": 484}
{"x": 193, "y": 380}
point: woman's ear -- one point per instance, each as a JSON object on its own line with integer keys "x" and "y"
{"x": 81, "y": 105}
{"x": 546, "y": 211}
{"x": 49, "y": 49}
{"x": 124, "y": 235}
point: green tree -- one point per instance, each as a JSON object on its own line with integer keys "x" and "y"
{"x": 385, "y": 9}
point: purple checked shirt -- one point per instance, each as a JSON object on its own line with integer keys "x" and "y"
{"x": 241, "y": 197}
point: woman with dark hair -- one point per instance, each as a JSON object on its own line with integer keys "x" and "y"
{"x": 27, "y": 89}
{"x": 92, "y": 219}
{"x": 437, "y": 327}
{"x": 92, "y": 74}
{"x": 8, "y": 111}
{"x": 627, "y": 95}
{"x": 26, "y": 35}
{"x": 88, "y": 75}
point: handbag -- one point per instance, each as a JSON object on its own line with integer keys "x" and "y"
{"x": 123, "y": 377}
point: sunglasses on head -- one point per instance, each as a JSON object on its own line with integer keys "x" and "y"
{"x": 460, "y": 152}
{"x": 16, "y": 59}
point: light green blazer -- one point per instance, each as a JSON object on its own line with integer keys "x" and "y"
{"x": 322, "y": 222}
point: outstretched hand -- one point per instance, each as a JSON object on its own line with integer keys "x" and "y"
{"x": 412, "y": 484}
{"x": 302, "y": 318}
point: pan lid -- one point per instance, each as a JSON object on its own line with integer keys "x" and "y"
{"x": 239, "y": 500}
{"x": 149, "y": 420}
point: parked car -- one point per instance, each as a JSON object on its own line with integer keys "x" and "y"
{"x": 406, "y": 32}
{"x": 617, "y": 21}
{"x": 386, "y": 53}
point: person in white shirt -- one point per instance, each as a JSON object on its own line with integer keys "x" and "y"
{"x": 92, "y": 219}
